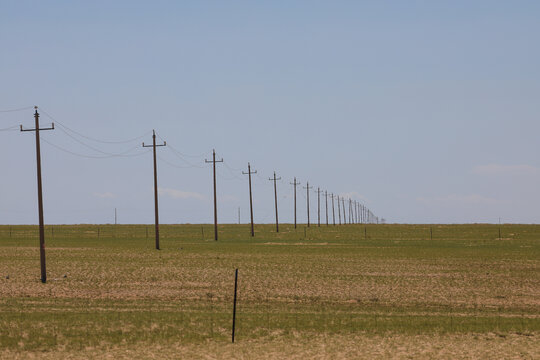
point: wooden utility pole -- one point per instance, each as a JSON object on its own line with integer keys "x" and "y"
{"x": 339, "y": 210}
{"x": 295, "y": 184}
{"x": 307, "y": 191}
{"x": 213, "y": 161}
{"x": 249, "y": 172}
{"x": 40, "y": 195}
{"x": 319, "y": 207}
{"x": 275, "y": 198}
{"x": 343, "y": 208}
{"x": 333, "y": 211}
{"x": 350, "y": 212}
{"x": 154, "y": 146}
{"x": 326, "y": 202}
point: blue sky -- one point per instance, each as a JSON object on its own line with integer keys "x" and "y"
{"x": 425, "y": 111}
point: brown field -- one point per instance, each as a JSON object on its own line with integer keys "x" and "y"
{"x": 335, "y": 293}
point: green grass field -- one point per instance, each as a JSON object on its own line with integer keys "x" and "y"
{"x": 340, "y": 292}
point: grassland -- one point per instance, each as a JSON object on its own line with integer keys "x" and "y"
{"x": 353, "y": 291}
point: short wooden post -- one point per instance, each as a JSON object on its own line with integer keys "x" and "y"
{"x": 234, "y": 306}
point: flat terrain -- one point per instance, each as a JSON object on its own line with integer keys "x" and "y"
{"x": 351, "y": 291}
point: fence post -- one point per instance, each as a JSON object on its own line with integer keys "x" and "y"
{"x": 234, "y": 306}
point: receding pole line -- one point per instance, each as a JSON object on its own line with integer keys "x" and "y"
{"x": 295, "y": 184}
{"x": 40, "y": 195}
{"x": 249, "y": 172}
{"x": 307, "y": 187}
{"x": 156, "y": 220}
{"x": 214, "y": 161}
{"x": 274, "y": 179}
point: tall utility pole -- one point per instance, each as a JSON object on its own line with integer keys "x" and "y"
{"x": 154, "y": 146}
{"x": 40, "y": 195}
{"x": 339, "y": 210}
{"x": 343, "y": 207}
{"x": 333, "y": 211}
{"x": 295, "y": 184}
{"x": 249, "y": 172}
{"x": 213, "y": 161}
{"x": 307, "y": 191}
{"x": 115, "y": 217}
{"x": 275, "y": 199}
{"x": 326, "y": 202}
{"x": 319, "y": 207}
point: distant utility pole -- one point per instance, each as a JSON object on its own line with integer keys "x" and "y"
{"x": 275, "y": 198}
{"x": 239, "y": 215}
{"x": 213, "y": 161}
{"x": 40, "y": 195}
{"x": 154, "y": 146}
{"x": 115, "y": 217}
{"x": 343, "y": 207}
{"x": 307, "y": 191}
{"x": 356, "y": 211}
{"x": 318, "y": 207}
{"x": 339, "y": 210}
{"x": 295, "y": 184}
{"x": 350, "y": 211}
{"x": 326, "y": 202}
{"x": 333, "y": 211}
{"x": 249, "y": 172}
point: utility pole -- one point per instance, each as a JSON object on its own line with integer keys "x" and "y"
{"x": 326, "y": 202}
{"x": 333, "y": 211}
{"x": 339, "y": 210}
{"x": 356, "y": 211}
{"x": 307, "y": 191}
{"x": 213, "y": 161}
{"x": 349, "y": 210}
{"x": 115, "y": 217}
{"x": 275, "y": 199}
{"x": 295, "y": 184}
{"x": 343, "y": 207}
{"x": 249, "y": 172}
{"x": 40, "y": 195}
{"x": 239, "y": 215}
{"x": 318, "y": 207}
{"x": 154, "y": 146}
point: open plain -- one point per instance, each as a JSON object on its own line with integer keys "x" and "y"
{"x": 350, "y": 291}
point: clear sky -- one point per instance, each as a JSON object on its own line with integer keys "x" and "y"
{"x": 426, "y": 111}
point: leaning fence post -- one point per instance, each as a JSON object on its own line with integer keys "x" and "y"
{"x": 234, "y": 306}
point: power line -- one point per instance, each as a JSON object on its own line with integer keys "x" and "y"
{"x": 11, "y": 128}
{"x": 19, "y": 109}
{"x": 124, "y": 154}
{"x": 92, "y": 138}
